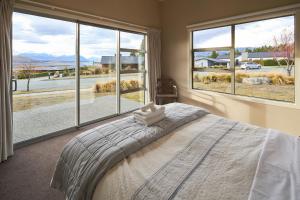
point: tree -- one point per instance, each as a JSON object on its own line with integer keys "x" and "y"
{"x": 214, "y": 54}
{"x": 248, "y": 50}
{"x": 27, "y": 71}
{"x": 264, "y": 48}
{"x": 284, "y": 48}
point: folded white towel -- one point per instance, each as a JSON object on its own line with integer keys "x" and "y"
{"x": 158, "y": 110}
{"x": 149, "y": 116}
{"x": 151, "y": 120}
{"x": 148, "y": 106}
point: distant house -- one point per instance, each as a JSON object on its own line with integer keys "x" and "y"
{"x": 252, "y": 56}
{"x": 127, "y": 62}
{"x": 261, "y": 56}
{"x": 208, "y": 62}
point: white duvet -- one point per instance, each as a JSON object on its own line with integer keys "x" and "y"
{"x": 226, "y": 173}
{"x": 278, "y": 172}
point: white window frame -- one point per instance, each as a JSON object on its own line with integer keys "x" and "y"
{"x": 251, "y": 17}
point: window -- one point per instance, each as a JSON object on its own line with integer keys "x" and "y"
{"x": 98, "y": 49}
{"x": 259, "y": 62}
{"x": 110, "y": 74}
{"x": 132, "y": 70}
{"x": 44, "y": 70}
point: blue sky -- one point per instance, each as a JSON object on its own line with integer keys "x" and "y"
{"x": 33, "y": 34}
{"x": 253, "y": 34}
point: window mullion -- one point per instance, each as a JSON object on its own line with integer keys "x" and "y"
{"x": 77, "y": 75}
{"x": 232, "y": 59}
{"x": 118, "y": 88}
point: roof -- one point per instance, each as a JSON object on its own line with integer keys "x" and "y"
{"x": 213, "y": 60}
{"x": 266, "y": 54}
{"x": 124, "y": 60}
{"x": 224, "y": 56}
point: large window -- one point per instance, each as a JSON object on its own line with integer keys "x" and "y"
{"x": 251, "y": 59}
{"x": 132, "y": 70}
{"x": 110, "y": 73}
{"x": 43, "y": 73}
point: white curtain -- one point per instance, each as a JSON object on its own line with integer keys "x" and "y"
{"x": 154, "y": 61}
{"x": 6, "y": 138}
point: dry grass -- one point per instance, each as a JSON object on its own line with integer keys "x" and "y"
{"x": 273, "y": 92}
{"x": 275, "y": 78}
{"x": 135, "y": 96}
{"x": 111, "y": 86}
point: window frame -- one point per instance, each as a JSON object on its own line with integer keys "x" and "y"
{"x": 241, "y": 19}
{"x": 58, "y": 15}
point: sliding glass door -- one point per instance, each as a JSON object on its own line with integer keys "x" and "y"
{"x": 109, "y": 75}
{"x": 132, "y": 71}
{"x": 98, "y": 97}
{"x": 43, "y": 75}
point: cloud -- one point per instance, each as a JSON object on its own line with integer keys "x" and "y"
{"x": 34, "y": 34}
{"x": 253, "y": 34}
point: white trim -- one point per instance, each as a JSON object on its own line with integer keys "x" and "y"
{"x": 285, "y": 10}
{"x": 31, "y": 6}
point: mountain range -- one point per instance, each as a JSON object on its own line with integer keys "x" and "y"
{"x": 42, "y": 57}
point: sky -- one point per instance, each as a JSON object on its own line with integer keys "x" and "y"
{"x": 34, "y": 34}
{"x": 253, "y": 34}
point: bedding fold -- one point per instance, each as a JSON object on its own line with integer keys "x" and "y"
{"x": 278, "y": 172}
{"x": 88, "y": 156}
{"x": 167, "y": 181}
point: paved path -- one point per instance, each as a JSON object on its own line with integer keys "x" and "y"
{"x": 40, "y": 121}
{"x": 69, "y": 83}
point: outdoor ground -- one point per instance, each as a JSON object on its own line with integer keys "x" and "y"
{"x": 49, "y": 106}
{"x": 274, "y": 92}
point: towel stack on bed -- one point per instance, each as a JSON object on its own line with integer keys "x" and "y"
{"x": 149, "y": 114}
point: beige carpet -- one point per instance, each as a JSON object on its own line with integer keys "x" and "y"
{"x": 26, "y": 175}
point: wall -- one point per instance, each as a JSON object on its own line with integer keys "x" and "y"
{"x": 139, "y": 12}
{"x": 176, "y": 15}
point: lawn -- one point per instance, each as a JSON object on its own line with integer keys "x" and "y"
{"x": 267, "y": 91}
{"x": 30, "y": 101}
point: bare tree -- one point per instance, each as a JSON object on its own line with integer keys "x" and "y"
{"x": 27, "y": 71}
{"x": 284, "y": 50}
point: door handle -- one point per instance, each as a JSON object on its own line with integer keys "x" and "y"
{"x": 14, "y": 81}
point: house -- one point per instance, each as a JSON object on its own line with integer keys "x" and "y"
{"x": 209, "y": 62}
{"x": 251, "y": 56}
{"x": 127, "y": 62}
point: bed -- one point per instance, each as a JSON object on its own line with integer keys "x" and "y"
{"x": 191, "y": 154}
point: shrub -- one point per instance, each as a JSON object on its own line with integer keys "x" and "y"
{"x": 275, "y": 78}
{"x": 240, "y": 76}
{"x": 111, "y": 86}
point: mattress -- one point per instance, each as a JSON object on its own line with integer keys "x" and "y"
{"x": 226, "y": 172}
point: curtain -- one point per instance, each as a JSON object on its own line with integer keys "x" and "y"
{"x": 6, "y": 137}
{"x": 154, "y": 61}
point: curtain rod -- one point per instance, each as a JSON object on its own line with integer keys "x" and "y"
{"x": 20, "y": 4}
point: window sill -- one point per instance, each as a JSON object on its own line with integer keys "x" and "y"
{"x": 246, "y": 98}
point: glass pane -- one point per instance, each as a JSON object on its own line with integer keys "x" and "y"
{"x": 43, "y": 75}
{"x": 212, "y": 71}
{"x": 265, "y": 61}
{"x": 132, "y": 41}
{"x": 97, "y": 73}
{"x": 132, "y": 62}
{"x": 215, "y": 37}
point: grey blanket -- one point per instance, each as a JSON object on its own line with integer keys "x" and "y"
{"x": 166, "y": 182}
{"x": 88, "y": 156}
